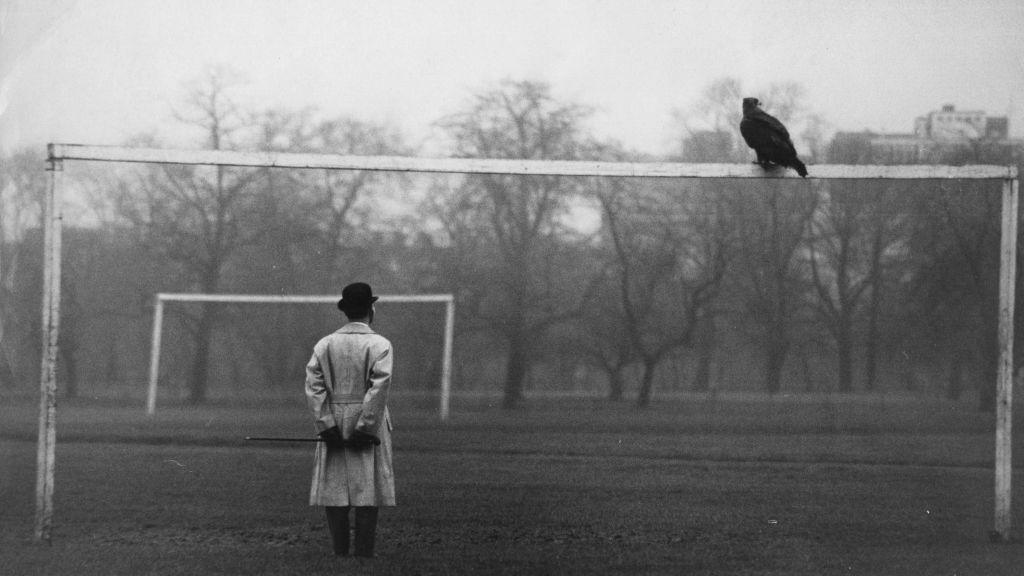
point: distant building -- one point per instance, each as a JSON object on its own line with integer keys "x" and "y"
{"x": 874, "y": 148}
{"x": 952, "y": 125}
{"x": 942, "y": 136}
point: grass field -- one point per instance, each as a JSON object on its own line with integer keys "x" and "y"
{"x": 795, "y": 486}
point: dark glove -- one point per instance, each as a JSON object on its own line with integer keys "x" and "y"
{"x": 362, "y": 439}
{"x": 332, "y": 437}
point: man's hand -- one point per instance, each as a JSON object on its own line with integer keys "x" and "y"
{"x": 332, "y": 437}
{"x": 362, "y": 439}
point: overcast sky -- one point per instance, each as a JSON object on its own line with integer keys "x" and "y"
{"x": 99, "y": 71}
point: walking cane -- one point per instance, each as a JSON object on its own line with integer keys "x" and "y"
{"x": 347, "y": 443}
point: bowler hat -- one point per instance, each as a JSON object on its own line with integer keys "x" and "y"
{"x": 356, "y": 297}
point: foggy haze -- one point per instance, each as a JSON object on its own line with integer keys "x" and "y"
{"x": 100, "y": 71}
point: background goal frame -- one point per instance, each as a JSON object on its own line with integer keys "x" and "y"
{"x": 158, "y": 314}
{"x": 59, "y": 153}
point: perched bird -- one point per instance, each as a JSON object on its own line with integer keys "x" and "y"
{"x": 769, "y": 138}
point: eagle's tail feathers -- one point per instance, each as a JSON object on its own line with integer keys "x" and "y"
{"x": 800, "y": 168}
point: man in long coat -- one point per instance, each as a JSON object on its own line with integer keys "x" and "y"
{"x": 347, "y": 383}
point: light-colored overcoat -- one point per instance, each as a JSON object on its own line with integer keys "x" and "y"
{"x": 347, "y": 384}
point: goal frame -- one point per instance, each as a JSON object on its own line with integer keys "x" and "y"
{"x": 59, "y": 153}
{"x": 158, "y": 315}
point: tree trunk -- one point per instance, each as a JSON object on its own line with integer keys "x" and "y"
{"x": 955, "y": 388}
{"x": 989, "y": 356}
{"x": 615, "y": 385}
{"x": 198, "y": 380}
{"x": 871, "y": 345}
{"x": 7, "y": 378}
{"x": 643, "y": 398}
{"x": 845, "y": 358}
{"x": 518, "y": 363}
{"x": 805, "y": 364}
{"x": 702, "y": 379}
{"x": 989, "y": 374}
{"x": 112, "y": 373}
{"x": 705, "y": 357}
{"x": 201, "y": 361}
{"x": 776, "y": 361}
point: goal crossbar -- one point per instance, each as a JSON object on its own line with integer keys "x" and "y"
{"x": 294, "y": 298}
{"x": 158, "y": 314}
{"x": 514, "y": 166}
{"x": 58, "y": 153}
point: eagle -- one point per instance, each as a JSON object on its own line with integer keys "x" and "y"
{"x": 769, "y": 138}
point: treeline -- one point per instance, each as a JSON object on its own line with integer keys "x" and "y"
{"x": 616, "y": 286}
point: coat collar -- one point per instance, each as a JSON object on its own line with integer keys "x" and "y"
{"x": 356, "y": 328}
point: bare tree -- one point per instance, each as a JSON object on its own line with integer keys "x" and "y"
{"x": 195, "y": 217}
{"x": 714, "y": 119}
{"x": 712, "y": 122}
{"x": 666, "y": 267}
{"x": 346, "y": 200}
{"x": 850, "y": 243}
{"x": 944, "y": 284}
{"x": 314, "y": 227}
{"x": 955, "y": 274}
{"x": 514, "y": 216}
{"x": 22, "y": 190}
{"x": 772, "y": 223}
{"x": 887, "y": 237}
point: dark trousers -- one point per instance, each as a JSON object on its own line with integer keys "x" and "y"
{"x": 366, "y": 529}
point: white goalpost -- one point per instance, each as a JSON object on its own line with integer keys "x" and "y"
{"x": 59, "y": 153}
{"x": 158, "y": 315}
